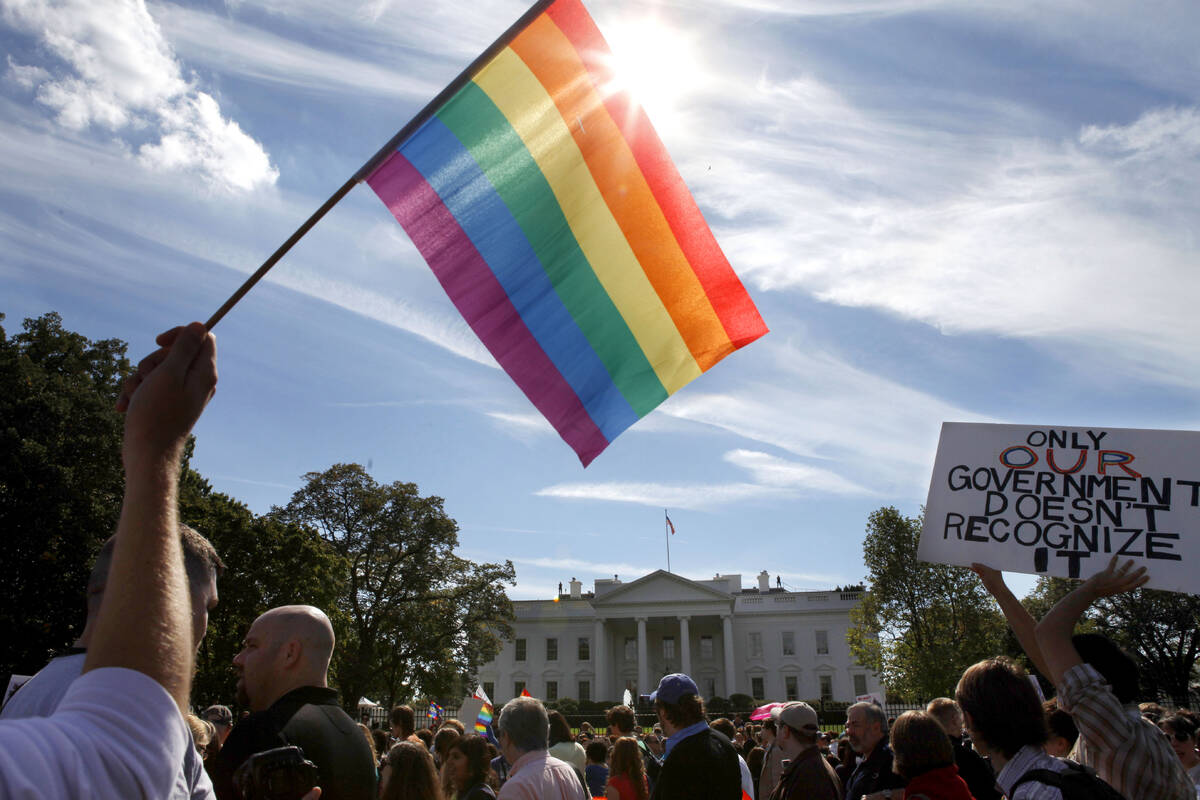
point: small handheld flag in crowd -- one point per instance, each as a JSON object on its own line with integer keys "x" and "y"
{"x": 525, "y": 693}
{"x": 484, "y": 720}
{"x": 482, "y": 695}
{"x": 435, "y": 711}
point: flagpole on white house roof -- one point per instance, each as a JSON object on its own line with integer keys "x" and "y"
{"x": 667, "y": 535}
{"x": 366, "y": 169}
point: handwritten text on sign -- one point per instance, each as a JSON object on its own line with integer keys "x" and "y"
{"x": 1062, "y": 501}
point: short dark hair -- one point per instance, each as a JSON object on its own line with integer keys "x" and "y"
{"x": 426, "y": 737}
{"x": 724, "y": 726}
{"x": 688, "y": 711}
{"x": 769, "y": 725}
{"x": 1059, "y": 722}
{"x": 402, "y": 717}
{"x": 1004, "y": 709}
{"x": 919, "y": 744}
{"x": 1180, "y": 723}
{"x": 597, "y": 750}
{"x": 621, "y": 717}
{"x": 200, "y": 560}
{"x": 1119, "y": 670}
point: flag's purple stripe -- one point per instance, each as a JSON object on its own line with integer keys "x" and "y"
{"x": 483, "y": 216}
{"x": 483, "y": 303}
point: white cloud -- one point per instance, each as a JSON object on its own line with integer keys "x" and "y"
{"x": 771, "y": 470}
{"x": 27, "y": 77}
{"x": 118, "y": 73}
{"x": 661, "y": 495}
{"x": 249, "y": 52}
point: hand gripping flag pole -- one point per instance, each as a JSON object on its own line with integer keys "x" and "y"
{"x": 552, "y": 215}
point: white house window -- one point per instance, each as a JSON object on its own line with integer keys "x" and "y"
{"x": 551, "y": 690}
{"x": 755, "y": 644}
{"x": 756, "y": 688}
{"x": 585, "y": 690}
{"x": 706, "y": 648}
{"x": 519, "y": 651}
{"x": 822, "y": 643}
{"x": 790, "y": 687}
{"x": 826, "y": 688}
{"x": 711, "y": 685}
{"x": 668, "y": 647}
{"x": 860, "y": 685}
{"x": 585, "y": 649}
{"x": 552, "y": 649}
{"x": 630, "y": 648}
{"x": 789, "y": 643}
{"x": 518, "y": 687}
{"x": 489, "y": 689}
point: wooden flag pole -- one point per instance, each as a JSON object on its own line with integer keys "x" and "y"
{"x": 366, "y": 169}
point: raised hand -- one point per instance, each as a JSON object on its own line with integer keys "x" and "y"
{"x": 1115, "y": 579}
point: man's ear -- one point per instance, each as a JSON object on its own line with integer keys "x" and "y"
{"x": 291, "y": 653}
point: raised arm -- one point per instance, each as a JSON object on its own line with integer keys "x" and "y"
{"x": 1054, "y": 631}
{"x": 144, "y": 622}
{"x": 1019, "y": 618}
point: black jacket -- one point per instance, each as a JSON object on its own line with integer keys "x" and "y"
{"x": 874, "y": 774}
{"x": 704, "y": 765}
{"x": 976, "y": 771}
{"x": 310, "y": 718}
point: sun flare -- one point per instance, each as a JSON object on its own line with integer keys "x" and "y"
{"x": 657, "y": 65}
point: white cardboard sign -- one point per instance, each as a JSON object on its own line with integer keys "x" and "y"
{"x": 1062, "y": 501}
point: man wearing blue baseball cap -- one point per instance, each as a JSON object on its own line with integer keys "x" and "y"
{"x": 698, "y": 761}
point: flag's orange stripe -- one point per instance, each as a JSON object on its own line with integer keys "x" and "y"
{"x": 741, "y": 319}
{"x": 552, "y": 58}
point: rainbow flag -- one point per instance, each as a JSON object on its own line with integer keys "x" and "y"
{"x": 553, "y": 217}
{"x": 484, "y": 718}
{"x": 435, "y": 711}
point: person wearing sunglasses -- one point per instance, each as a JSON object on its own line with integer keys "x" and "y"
{"x": 1180, "y": 730}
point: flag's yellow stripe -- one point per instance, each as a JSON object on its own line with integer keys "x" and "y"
{"x": 531, "y": 112}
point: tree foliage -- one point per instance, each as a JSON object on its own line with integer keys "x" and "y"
{"x": 919, "y": 625}
{"x": 420, "y": 618}
{"x": 267, "y": 564}
{"x": 61, "y": 481}
{"x": 1161, "y": 630}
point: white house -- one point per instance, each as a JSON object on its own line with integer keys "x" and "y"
{"x": 766, "y": 642}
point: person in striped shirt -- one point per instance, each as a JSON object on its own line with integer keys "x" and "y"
{"x": 1097, "y": 684}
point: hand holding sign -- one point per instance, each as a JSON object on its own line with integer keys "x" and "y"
{"x": 1115, "y": 579}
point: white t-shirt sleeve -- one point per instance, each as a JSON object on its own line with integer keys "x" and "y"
{"x": 117, "y": 733}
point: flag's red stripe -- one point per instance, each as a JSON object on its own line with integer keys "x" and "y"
{"x": 483, "y": 302}
{"x": 733, "y": 305}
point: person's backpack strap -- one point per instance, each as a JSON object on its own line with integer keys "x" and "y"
{"x": 1076, "y": 782}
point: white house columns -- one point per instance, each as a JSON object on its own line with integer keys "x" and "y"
{"x": 685, "y": 647}
{"x": 600, "y": 660}
{"x": 643, "y": 684}
{"x": 727, "y": 646}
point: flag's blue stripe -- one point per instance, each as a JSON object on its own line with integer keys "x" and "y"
{"x": 449, "y": 168}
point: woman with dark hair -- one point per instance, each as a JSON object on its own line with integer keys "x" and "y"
{"x": 467, "y": 766}
{"x": 922, "y": 754}
{"x": 1181, "y": 733}
{"x": 563, "y": 745}
{"x": 410, "y": 774}
{"x": 626, "y": 772}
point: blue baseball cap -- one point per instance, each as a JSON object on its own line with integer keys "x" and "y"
{"x": 672, "y": 687}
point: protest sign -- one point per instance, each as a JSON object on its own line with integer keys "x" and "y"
{"x": 468, "y": 712}
{"x": 1062, "y": 501}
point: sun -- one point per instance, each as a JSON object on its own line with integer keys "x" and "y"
{"x": 657, "y": 65}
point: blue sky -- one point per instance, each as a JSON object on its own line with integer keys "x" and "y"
{"x": 971, "y": 211}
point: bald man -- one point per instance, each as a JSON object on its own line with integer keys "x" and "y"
{"x": 283, "y": 676}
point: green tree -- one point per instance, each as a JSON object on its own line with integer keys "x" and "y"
{"x": 919, "y": 625}
{"x": 61, "y": 481}
{"x": 1162, "y": 631}
{"x": 420, "y": 617}
{"x": 268, "y": 564}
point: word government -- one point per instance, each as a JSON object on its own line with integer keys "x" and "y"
{"x": 1064, "y": 511}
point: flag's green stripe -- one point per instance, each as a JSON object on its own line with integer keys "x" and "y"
{"x": 503, "y": 157}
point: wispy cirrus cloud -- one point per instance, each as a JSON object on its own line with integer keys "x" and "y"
{"x": 252, "y": 53}
{"x": 662, "y": 495}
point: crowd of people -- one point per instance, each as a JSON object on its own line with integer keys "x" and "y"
{"x": 111, "y": 717}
